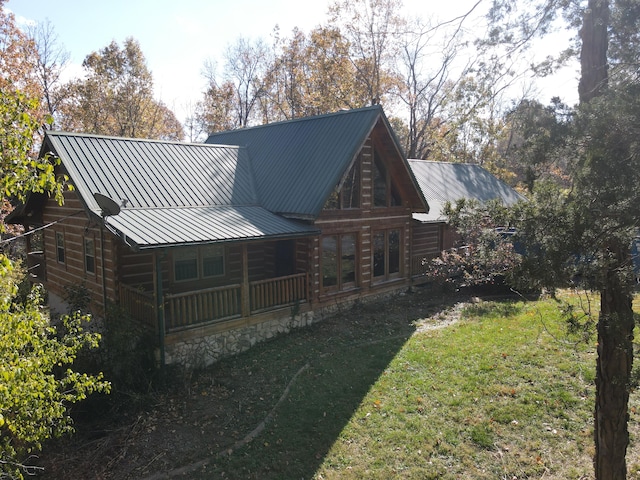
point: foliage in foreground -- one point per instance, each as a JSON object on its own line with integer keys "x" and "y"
{"x": 37, "y": 384}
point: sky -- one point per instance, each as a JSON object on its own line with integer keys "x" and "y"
{"x": 178, "y": 36}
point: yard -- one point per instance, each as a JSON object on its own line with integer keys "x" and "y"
{"x": 415, "y": 387}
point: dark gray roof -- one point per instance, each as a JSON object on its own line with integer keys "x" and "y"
{"x": 298, "y": 163}
{"x": 194, "y": 225}
{"x": 443, "y": 182}
{"x": 173, "y": 193}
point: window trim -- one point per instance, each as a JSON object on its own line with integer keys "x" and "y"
{"x": 93, "y": 269}
{"x": 200, "y": 256}
{"x": 386, "y": 276}
{"x": 59, "y": 238}
{"x": 340, "y": 285}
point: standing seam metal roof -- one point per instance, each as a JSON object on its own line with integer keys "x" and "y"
{"x": 173, "y": 193}
{"x": 443, "y": 182}
{"x": 298, "y": 163}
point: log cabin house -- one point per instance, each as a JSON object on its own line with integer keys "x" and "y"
{"x": 221, "y": 245}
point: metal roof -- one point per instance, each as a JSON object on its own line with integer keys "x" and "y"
{"x": 197, "y": 225}
{"x": 298, "y": 163}
{"x": 443, "y": 182}
{"x": 171, "y": 193}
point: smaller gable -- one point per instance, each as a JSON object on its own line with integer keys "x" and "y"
{"x": 443, "y": 182}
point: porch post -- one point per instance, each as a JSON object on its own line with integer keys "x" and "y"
{"x": 246, "y": 304}
{"x": 160, "y": 305}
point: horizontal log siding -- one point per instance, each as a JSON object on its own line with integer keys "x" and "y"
{"x": 72, "y": 272}
{"x": 427, "y": 244}
{"x": 426, "y": 239}
{"x": 136, "y": 269}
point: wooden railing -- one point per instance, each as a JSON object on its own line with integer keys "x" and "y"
{"x": 278, "y": 292}
{"x": 139, "y": 304}
{"x": 202, "y": 306}
{"x": 36, "y": 266}
{"x": 215, "y": 304}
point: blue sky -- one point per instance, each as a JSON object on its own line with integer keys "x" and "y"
{"x": 177, "y": 37}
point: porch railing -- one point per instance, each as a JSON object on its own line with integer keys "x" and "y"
{"x": 141, "y": 305}
{"x": 278, "y": 292}
{"x": 201, "y": 306}
{"x": 215, "y": 304}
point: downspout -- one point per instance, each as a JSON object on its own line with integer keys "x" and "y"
{"x": 104, "y": 279}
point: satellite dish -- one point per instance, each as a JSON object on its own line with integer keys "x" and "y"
{"x": 108, "y": 206}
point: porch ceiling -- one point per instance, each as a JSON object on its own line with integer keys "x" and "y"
{"x": 144, "y": 228}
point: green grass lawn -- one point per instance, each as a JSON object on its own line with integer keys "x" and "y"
{"x": 503, "y": 393}
{"x": 375, "y": 392}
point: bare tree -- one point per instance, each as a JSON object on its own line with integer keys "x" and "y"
{"x": 245, "y": 66}
{"x": 372, "y": 28}
{"x": 51, "y": 60}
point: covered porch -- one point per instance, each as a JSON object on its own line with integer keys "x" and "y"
{"x": 255, "y": 278}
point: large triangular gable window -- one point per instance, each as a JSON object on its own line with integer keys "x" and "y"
{"x": 349, "y": 195}
{"x": 384, "y": 192}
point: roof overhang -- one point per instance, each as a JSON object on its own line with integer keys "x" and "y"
{"x": 149, "y": 228}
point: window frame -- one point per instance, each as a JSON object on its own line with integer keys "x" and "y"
{"x": 200, "y": 254}
{"x": 387, "y": 257}
{"x": 60, "y": 249}
{"x": 339, "y": 260}
{"x": 89, "y": 254}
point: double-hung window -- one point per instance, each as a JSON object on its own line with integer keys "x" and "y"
{"x": 89, "y": 255}
{"x": 60, "y": 254}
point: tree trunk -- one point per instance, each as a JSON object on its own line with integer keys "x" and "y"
{"x": 616, "y": 322}
{"x": 613, "y": 371}
{"x": 593, "y": 55}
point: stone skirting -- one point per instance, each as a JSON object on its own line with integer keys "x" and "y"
{"x": 204, "y": 350}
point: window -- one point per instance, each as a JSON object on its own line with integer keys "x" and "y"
{"x": 185, "y": 264}
{"x": 60, "y": 247}
{"x": 194, "y": 263}
{"x": 89, "y": 256}
{"x": 329, "y": 261}
{"x": 379, "y": 184}
{"x": 384, "y": 192}
{"x": 339, "y": 261}
{"x": 349, "y": 195}
{"x": 212, "y": 261}
{"x": 386, "y": 254}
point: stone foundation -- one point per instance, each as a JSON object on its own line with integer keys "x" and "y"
{"x": 202, "y": 351}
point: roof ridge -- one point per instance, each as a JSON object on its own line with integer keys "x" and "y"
{"x": 303, "y": 119}
{"x": 61, "y": 133}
